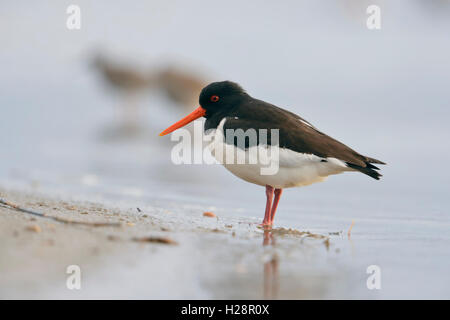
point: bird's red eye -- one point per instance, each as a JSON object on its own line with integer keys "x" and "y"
{"x": 214, "y": 98}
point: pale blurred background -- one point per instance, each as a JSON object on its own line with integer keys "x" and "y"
{"x": 383, "y": 92}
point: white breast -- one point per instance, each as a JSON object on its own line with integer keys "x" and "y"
{"x": 271, "y": 165}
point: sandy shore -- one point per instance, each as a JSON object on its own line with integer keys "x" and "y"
{"x": 35, "y": 251}
{"x": 154, "y": 253}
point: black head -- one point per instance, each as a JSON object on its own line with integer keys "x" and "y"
{"x": 217, "y": 98}
{"x": 221, "y": 96}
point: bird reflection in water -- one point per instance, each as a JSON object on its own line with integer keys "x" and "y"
{"x": 271, "y": 283}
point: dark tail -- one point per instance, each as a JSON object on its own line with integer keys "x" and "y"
{"x": 372, "y": 160}
{"x": 369, "y": 169}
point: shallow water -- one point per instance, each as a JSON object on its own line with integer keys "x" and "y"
{"x": 386, "y": 96}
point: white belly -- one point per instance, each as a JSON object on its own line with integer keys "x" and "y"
{"x": 273, "y": 166}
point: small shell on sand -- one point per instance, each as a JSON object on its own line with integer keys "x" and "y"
{"x": 209, "y": 214}
{"x": 34, "y": 228}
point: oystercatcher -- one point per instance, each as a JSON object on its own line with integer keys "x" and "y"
{"x": 304, "y": 155}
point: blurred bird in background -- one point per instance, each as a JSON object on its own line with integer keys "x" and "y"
{"x": 132, "y": 83}
{"x": 180, "y": 86}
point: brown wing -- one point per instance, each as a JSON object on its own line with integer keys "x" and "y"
{"x": 299, "y": 135}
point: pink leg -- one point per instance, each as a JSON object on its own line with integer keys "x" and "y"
{"x": 278, "y": 193}
{"x": 269, "y": 195}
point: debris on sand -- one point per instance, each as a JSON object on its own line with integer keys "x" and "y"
{"x": 302, "y": 235}
{"x": 294, "y": 232}
{"x": 209, "y": 214}
{"x": 215, "y": 230}
{"x": 163, "y": 240}
{"x": 34, "y": 228}
{"x": 16, "y": 207}
{"x": 112, "y": 237}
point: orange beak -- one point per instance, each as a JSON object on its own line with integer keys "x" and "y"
{"x": 197, "y": 113}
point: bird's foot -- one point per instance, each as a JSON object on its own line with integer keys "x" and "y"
{"x": 266, "y": 225}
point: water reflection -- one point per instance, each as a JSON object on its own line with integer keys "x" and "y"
{"x": 271, "y": 277}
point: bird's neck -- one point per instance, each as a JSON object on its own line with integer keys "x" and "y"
{"x": 213, "y": 121}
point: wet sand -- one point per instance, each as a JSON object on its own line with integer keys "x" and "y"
{"x": 154, "y": 253}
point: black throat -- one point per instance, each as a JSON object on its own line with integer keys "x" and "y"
{"x": 234, "y": 110}
{"x": 213, "y": 121}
